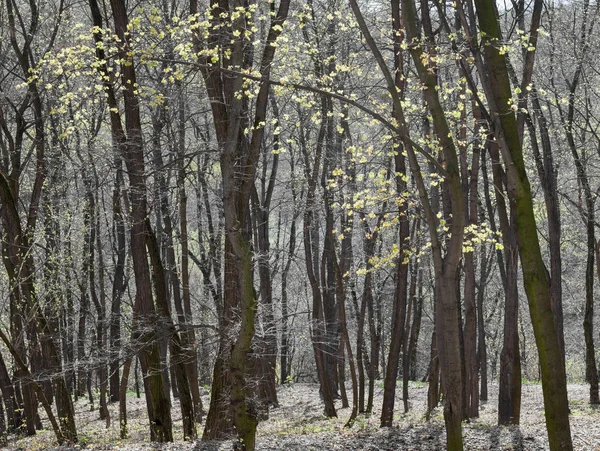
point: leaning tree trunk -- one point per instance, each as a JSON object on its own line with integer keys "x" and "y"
{"x": 535, "y": 275}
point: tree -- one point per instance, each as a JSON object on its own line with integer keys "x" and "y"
{"x": 238, "y": 162}
{"x": 536, "y": 278}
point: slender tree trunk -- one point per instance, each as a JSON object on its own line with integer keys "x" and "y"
{"x": 123, "y": 429}
{"x": 159, "y": 408}
{"x": 191, "y": 363}
{"x": 285, "y": 362}
{"x": 433, "y": 389}
{"x": 345, "y": 342}
{"x": 415, "y": 329}
{"x": 481, "y": 344}
{"x": 84, "y": 301}
{"x": 470, "y": 181}
{"x": 400, "y": 293}
{"x": 509, "y": 398}
{"x": 406, "y": 361}
{"x": 361, "y": 351}
{"x": 166, "y": 324}
{"x": 118, "y": 286}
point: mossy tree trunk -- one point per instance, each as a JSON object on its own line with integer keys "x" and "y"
{"x": 535, "y": 275}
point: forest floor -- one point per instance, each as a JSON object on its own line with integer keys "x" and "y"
{"x": 298, "y": 425}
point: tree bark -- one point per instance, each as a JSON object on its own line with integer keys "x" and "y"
{"x": 400, "y": 293}
{"x": 535, "y": 276}
{"x": 178, "y": 355}
{"x": 239, "y": 156}
{"x": 159, "y": 406}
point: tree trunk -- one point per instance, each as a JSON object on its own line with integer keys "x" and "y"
{"x": 311, "y": 249}
{"x": 285, "y": 362}
{"x": 433, "y": 389}
{"x": 509, "y": 398}
{"x": 118, "y": 286}
{"x": 535, "y": 276}
{"x": 123, "y": 430}
{"x": 239, "y": 154}
{"x": 159, "y": 408}
{"x": 191, "y": 362}
{"x": 178, "y": 356}
{"x": 481, "y": 344}
{"x": 13, "y": 413}
{"x": 400, "y": 293}
{"x": 470, "y": 181}
{"x": 405, "y": 358}
{"x": 415, "y": 328}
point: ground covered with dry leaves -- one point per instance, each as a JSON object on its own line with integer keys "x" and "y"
{"x": 297, "y": 424}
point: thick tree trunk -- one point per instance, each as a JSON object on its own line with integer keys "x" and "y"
{"x": 159, "y": 408}
{"x": 535, "y": 276}
{"x": 448, "y": 345}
